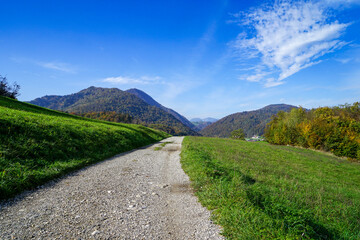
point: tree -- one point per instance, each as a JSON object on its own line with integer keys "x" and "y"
{"x": 238, "y": 134}
{"x": 6, "y": 90}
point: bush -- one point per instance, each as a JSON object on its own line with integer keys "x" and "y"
{"x": 238, "y": 134}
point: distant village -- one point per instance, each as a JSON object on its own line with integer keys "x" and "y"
{"x": 255, "y": 138}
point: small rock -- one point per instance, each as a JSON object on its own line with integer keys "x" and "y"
{"x": 95, "y": 232}
{"x": 132, "y": 208}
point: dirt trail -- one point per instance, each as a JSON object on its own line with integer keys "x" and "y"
{"x": 142, "y": 194}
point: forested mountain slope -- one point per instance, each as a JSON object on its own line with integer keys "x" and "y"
{"x": 96, "y": 99}
{"x": 252, "y": 122}
{"x": 149, "y": 100}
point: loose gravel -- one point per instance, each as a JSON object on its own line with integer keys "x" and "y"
{"x": 142, "y": 194}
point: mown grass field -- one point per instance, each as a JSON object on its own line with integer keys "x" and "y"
{"x": 263, "y": 191}
{"x": 38, "y": 144}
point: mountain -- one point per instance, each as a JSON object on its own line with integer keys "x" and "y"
{"x": 95, "y": 99}
{"x": 209, "y": 119}
{"x": 196, "y": 120}
{"x": 149, "y": 100}
{"x": 252, "y": 122}
{"x": 200, "y": 124}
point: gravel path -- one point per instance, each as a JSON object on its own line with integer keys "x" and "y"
{"x": 142, "y": 194}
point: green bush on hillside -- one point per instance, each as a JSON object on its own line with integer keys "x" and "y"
{"x": 238, "y": 134}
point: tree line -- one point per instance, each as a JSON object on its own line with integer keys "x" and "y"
{"x": 107, "y": 116}
{"x": 7, "y": 90}
{"x": 334, "y": 129}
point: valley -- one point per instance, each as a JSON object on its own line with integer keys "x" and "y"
{"x": 281, "y": 192}
{"x": 180, "y": 120}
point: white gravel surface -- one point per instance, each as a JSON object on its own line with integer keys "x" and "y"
{"x": 142, "y": 194}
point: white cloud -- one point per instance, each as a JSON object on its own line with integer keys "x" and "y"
{"x": 256, "y": 77}
{"x": 337, "y": 3}
{"x": 63, "y": 67}
{"x": 54, "y": 65}
{"x": 271, "y": 82}
{"x": 344, "y": 60}
{"x": 287, "y": 37}
{"x": 130, "y": 80}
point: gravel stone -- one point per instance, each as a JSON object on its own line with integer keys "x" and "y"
{"x": 141, "y": 194}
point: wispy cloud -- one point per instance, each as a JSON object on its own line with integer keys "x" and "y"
{"x": 131, "y": 80}
{"x": 337, "y": 3}
{"x": 343, "y": 60}
{"x": 59, "y": 66}
{"x": 53, "y": 65}
{"x": 287, "y": 37}
{"x": 174, "y": 89}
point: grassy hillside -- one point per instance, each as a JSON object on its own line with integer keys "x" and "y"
{"x": 37, "y": 144}
{"x": 252, "y": 122}
{"x": 262, "y": 191}
{"x": 95, "y": 99}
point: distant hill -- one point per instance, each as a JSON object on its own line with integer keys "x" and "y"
{"x": 252, "y": 122}
{"x": 96, "y": 99}
{"x": 202, "y": 123}
{"x": 149, "y": 100}
{"x": 209, "y": 119}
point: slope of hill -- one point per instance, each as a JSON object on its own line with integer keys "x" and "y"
{"x": 263, "y": 191}
{"x": 95, "y": 99}
{"x": 149, "y": 100}
{"x": 252, "y": 122}
{"x": 38, "y": 144}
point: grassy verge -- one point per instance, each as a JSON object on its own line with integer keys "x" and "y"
{"x": 262, "y": 191}
{"x": 37, "y": 144}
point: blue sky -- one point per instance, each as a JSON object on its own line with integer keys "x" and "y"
{"x": 201, "y": 58}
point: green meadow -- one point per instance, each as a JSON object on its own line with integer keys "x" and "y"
{"x": 38, "y": 144}
{"x": 262, "y": 191}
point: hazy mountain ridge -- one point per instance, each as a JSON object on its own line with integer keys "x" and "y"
{"x": 95, "y": 99}
{"x": 208, "y": 119}
{"x": 200, "y": 124}
{"x": 252, "y": 122}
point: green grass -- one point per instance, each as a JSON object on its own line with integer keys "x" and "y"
{"x": 262, "y": 191}
{"x": 38, "y": 144}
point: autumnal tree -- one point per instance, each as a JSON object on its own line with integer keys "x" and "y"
{"x": 335, "y": 129}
